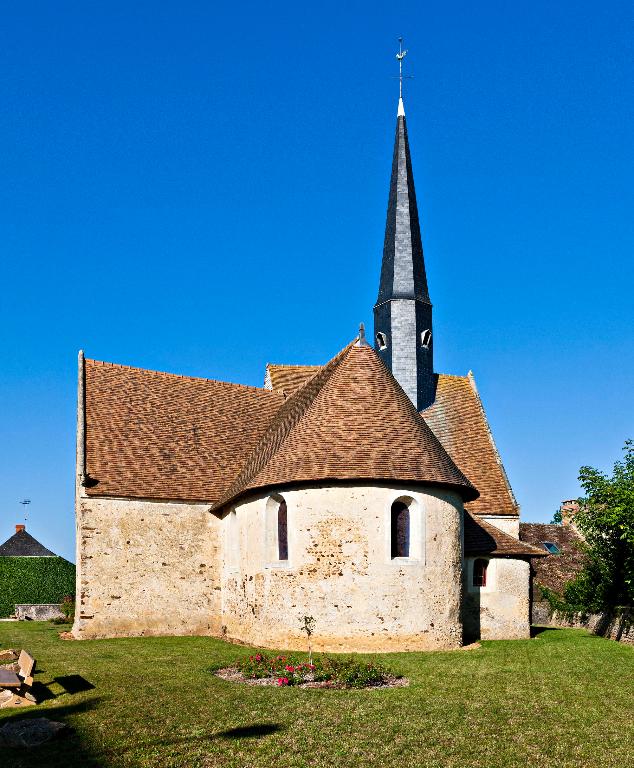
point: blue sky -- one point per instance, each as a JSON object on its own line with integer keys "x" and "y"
{"x": 201, "y": 188}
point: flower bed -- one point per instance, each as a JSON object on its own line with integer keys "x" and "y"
{"x": 323, "y": 672}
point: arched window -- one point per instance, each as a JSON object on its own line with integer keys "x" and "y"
{"x": 425, "y": 338}
{"x": 480, "y": 572}
{"x": 282, "y": 531}
{"x": 400, "y": 529}
{"x": 381, "y": 340}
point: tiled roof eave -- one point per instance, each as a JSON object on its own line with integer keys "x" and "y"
{"x": 414, "y": 484}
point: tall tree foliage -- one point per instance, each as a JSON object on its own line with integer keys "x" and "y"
{"x": 606, "y": 520}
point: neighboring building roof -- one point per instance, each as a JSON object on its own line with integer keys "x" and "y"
{"x": 482, "y": 538}
{"x": 350, "y": 421}
{"x": 157, "y": 435}
{"x": 555, "y": 571}
{"x": 22, "y": 544}
{"x": 458, "y": 420}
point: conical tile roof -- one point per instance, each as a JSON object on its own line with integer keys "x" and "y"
{"x": 350, "y": 421}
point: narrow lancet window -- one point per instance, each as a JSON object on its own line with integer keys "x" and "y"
{"x": 282, "y": 531}
{"x": 400, "y": 529}
{"x": 480, "y": 572}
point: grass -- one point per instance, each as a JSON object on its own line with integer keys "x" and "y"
{"x": 564, "y": 698}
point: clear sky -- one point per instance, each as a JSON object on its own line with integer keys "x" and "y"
{"x": 201, "y": 188}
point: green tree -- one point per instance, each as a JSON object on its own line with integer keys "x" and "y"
{"x": 606, "y": 520}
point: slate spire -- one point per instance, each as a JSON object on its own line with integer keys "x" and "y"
{"x": 403, "y": 311}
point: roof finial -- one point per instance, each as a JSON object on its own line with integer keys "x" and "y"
{"x": 400, "y": 56}
{"x": 362, "y": 341}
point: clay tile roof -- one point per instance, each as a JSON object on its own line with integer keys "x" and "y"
{"x": 458, "y": 420}
{"x": 22, "y": 544}
{"x": 350, "y": 421}
{"x": 555, "y": 571}
{"x": 161, "y": 436}
{"x": 482, "y": 538}
{"x": 288, "y": 378}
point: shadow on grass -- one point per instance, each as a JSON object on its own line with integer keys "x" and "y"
{"x": 74, "y": 683}
{"x": 255, "y": 731}
{"x": 248, "y": 731}
{"x": 537, "y": 630}
{"x": 65, "y": 751}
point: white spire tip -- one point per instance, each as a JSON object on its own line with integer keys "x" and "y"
{"x": 401, "y": 108}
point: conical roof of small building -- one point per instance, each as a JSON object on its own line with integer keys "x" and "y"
{"x": 22, "y": 544}
{"x": 350, "y": 421}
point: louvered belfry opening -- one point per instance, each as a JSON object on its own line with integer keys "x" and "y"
{"x": 400, "y": 529}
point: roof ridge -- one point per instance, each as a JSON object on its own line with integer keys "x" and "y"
{"x": 295, "y": 365}
{"x": 496, "y": 453}
{"x": 169, "y": 375}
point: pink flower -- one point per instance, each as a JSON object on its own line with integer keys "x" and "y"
{"x": 282, "y": 680}
{"x": 257, "y": 657}
{"x": 288, "y": 668}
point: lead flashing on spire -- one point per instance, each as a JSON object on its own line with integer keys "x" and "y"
{"x": 401, "y": 108}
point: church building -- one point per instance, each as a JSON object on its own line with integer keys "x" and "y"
{"x": 366, "y": 492}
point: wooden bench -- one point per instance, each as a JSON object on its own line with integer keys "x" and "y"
{"x": 15, "y": 689}
{"x": 24, "y": 676}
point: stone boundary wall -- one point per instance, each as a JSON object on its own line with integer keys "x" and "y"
{"x": 42, "y": 612}
{"x": 620, "y": 628}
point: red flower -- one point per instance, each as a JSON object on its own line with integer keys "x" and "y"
{"x": 288, "y": 668}
{"x": 282, "y": 680}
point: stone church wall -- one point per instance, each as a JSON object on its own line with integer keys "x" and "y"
{"x": 501, "y": 610}
{"x": 146, "y": 568}
{"x": 340, "y": 571}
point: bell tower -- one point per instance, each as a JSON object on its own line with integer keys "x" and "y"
{"x": 403, "y": 311}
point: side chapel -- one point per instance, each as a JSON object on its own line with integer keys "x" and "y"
{"x": 366, "y": 492}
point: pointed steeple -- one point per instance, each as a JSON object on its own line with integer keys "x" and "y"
{"x": 403, "y": 269}
{"x": 403, "y": 311}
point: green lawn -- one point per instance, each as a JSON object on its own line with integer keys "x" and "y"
{"x": 564, "y": 698}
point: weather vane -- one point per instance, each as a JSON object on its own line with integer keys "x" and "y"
{"x": 400, "y": 56}
{"x": 25, "y": 503}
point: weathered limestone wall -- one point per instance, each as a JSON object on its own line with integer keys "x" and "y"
{"x": 146, "y": 568}
{"x": 508, "y": 523}
{"x": 499, "y": 611}
{"x": 340, "y": 571}
{"x": 38, "y": 612}
{"x": 617, "y": 627}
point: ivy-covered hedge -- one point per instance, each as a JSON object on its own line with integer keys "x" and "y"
{"x": 34, "y": 580}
